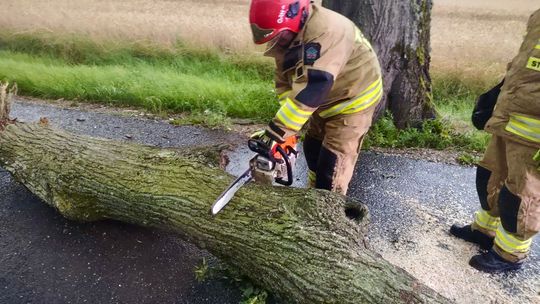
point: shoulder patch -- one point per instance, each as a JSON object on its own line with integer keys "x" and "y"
{"x": 312, "y": 52}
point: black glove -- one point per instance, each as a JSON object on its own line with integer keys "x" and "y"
{"x": 262, "y": 135}
{"x": 483, "y": 110}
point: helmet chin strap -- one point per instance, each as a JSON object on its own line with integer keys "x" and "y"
{"x": 282, "y": 40}
{"x": 272, "y": 45}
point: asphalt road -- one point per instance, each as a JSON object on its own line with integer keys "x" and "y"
{"x": 45, "y": 258}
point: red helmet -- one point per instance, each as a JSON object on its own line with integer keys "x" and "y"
{"x": 268, "y": 18}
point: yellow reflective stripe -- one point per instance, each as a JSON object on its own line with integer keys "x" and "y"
{"x": 486, "y": 221}
{"x": 283, "y": 95}
{"x": 533, "y": 63}
{"x": 526, "y": 127}
{"x": 537, "y": 45}
{"x": 292, "y": 116}
{"x": 365, "y": 101}
{"x": 364, "y": 97}
{"x": 534, "y": 123}
{"x": 366, "y": 94}
{"x": 510, "y": 243}
{"x": 366, "y": 104}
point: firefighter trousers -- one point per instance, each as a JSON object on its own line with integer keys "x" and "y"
{"x": 332, "y": 146}
{"x": 508, "y": 186}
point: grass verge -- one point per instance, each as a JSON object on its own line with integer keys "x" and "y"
{"x": 213, "y": 87}
{"x": 176, "y": 80}
{"x": 454, "y": 94}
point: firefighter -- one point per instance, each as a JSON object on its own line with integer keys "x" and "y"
{"x": 328, "y": 76}
{"x": 508, "y": 177}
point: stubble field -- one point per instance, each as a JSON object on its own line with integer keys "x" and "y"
{"x": 474, "y": 36}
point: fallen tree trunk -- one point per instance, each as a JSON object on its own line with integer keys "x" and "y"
{"x": 307, "y": 246}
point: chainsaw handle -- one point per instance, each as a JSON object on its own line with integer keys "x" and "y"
{"x": 285, "y": 157}
{"x": 260, "y": 147}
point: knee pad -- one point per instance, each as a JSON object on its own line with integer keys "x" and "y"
{"x": 482, "y": 179}
{"x": 326, "y": 168}
{"x": 509, "y": 204}
{"x": 312, "y": 149}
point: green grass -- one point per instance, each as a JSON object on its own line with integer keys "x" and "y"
{"x": 454, "y": 95}
{"x": 175, "y": 80}
{"x": 434, "y": 134}
{"x": 213, "y": 87}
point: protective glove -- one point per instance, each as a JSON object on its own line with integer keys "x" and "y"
{"x": 263, "y": 136}
{"x": 289, "y": 142}
{"x": 483, "y": 109}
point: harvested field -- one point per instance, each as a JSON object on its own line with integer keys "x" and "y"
{"x": 476, "y": 37}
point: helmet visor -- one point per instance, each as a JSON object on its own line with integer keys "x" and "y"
{"x": 261, "y": 35}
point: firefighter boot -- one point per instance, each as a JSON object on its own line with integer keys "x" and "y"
{"x": 474, "y": 236}
{"x": 491, "y": 262}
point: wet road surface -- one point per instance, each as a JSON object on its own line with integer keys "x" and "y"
{"x": 45, "y": 258}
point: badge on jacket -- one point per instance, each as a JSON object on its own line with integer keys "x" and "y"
{"x": 312, "y": 52}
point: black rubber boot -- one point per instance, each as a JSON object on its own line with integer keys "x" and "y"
{"x": 491, "y": 262}
{"x": 474, "y": 236}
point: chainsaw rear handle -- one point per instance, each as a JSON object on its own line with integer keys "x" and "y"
{"x": 285, "y": 157}
{"x": 260, "y": 147}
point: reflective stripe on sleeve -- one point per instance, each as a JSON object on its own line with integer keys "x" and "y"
{"x": 486, "y": 221}
{"x": 537, "y": 45}
{"x": 510, "y": 243}
{"x": 292, "y": 116}
{"x": 367, "y": 98}
{"x": 283, "y": 97}
{"x": 525, "y": 127}
{"x": 366, "y": 104}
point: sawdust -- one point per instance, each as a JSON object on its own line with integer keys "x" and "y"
{"x": 427, "y": 251}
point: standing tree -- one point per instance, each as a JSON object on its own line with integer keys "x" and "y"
{"x": 400, "y": 33}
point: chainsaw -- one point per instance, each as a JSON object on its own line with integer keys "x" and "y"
{"x": 268, "y": 166}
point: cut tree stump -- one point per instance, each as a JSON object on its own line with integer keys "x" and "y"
{"x": 306, "y": 246}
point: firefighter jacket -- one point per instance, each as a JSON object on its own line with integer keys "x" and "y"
{"x": 329, "y": 67}
{"x": 517, "y": 113}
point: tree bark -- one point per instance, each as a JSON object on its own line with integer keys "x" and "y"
{"x": 6, "y": 98}
{"x": 400, "y": 33}
{"x": 307, "y": 246}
